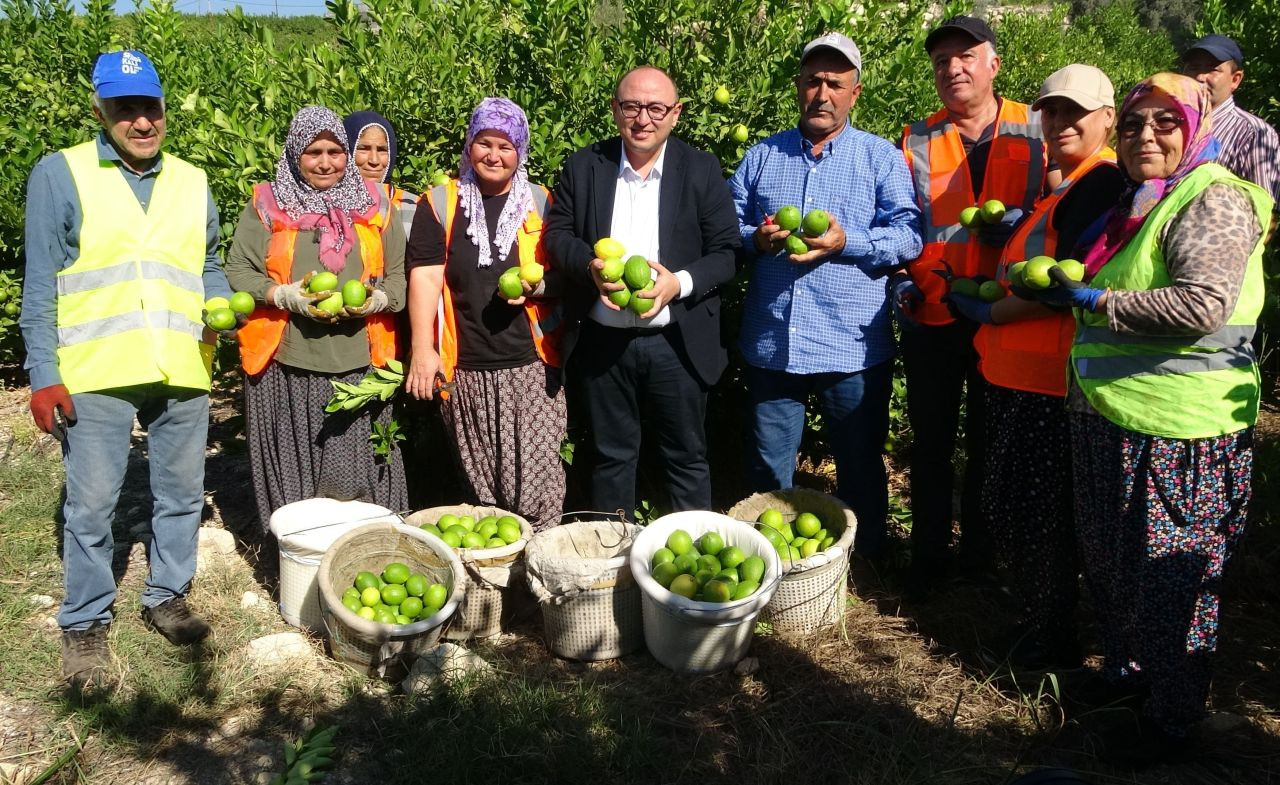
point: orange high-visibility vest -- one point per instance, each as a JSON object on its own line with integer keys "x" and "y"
{"x": 935, "y": 155}
{"x": 1032, "y": 354}
{"x": 545, "y": 319}
{"x": 260, "y": 337}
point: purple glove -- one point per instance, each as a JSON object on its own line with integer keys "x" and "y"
{"x": 971, "y": 308}
{"x": 903, "y": 297}
{"x": 1069, "y": 293}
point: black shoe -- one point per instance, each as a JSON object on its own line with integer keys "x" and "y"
{"x": 86, "y": 658}
{"x": 1142, "y": 745}
{"x": 175, "y": 621}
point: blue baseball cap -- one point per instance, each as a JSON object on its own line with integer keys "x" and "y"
{"x": 117, "y": 74}
{"x": 1219, "y": 47}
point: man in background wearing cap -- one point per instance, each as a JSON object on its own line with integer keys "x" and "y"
{"x": 815, "y": 322}
{"x": 1250, "y": 146}
{"x": 978, "y": 147}
{"x": 121, "y": 247}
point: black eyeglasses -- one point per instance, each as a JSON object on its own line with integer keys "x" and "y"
{"x": 1133, "y": 125}
{"x": 657, "y": 112}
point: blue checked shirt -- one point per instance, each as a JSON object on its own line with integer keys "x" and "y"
{"x": 831, "y": 315}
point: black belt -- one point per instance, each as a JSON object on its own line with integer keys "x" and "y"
{"x": 629, "y": 330}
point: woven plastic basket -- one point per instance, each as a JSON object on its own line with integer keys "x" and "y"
{"x": 494, "y": 576}
{"x": 699, "y": 637}
{"x": 590, "y": 604}
{"x": 813, "y": 592}
{"x": 374, "y": 647}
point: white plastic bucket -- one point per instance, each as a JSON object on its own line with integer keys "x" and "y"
{"x": 699, "y": 637}
{"x": 305, "y": 530}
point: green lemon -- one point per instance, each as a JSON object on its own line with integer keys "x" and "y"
{"x": 607, "y": 247}
{"x": 220, "y": 319}
{"x": 709, "y": 562}
{"x": 366, "y": 612}
{"x": 430, "y": 528}
{"x": 402, "y": 620}
{"x": 740, "y": 133}
{"x": 721, "y": 95}
{"x": 679, "y": 542}
{"x": 711, "y": 543}
{"x": 452, "y": 539}
{"x": 684, "y": 585}
{"x": 395, "y": 572}
{"x": 446, "y": 521}
{"x": 809, "y": 548}
{"x": 620, "y": 298}
{"x": 459, "y": 530}
{"x": 352, "y": 604}
{"x": 815, "y": 223}
{"x": 661, "y": 556}
{"x": 1073, "y": 269}
{"x": 473, "y": 540}
{"x": 354, "y": 294}
{"x": 828, "y": 542}
{"x": 640, "y": 305}
{"x": 323, "y": 282}
{"x": 1014, "y": 276}
{"x": 773, "y": 536}
{"x": 394, "y": 594}
{"x": 439, "y": 178}
{"x": 416, "y": 584}
{"x": 636, "y": 273}
{"x": 745, "y": 589}
{"x": 795, "y": 245}
{"x": 370, "y": 596}
{"x": 509, "y": 530}
{"x": 992, "y": 211}
{"x": 1036, "y": 274}
{"x": 435, "y": 596}
{"x": 704, "y": 575}
{"x": 966, "y": 286}
{"x": 971, "y": 217}
{"x": 717, "y": 590}
{"x": 384, "y": 617}
{"x": 731, "y": 576}
{"x": 788, "y": 218}
{"x": 365, "y": 579}
{"x": 411, "y": 607}
{"x": 487, "y": 528}
{"x": 612, "y": 270}
{"x": 807, "y": 524}
{"x": 495, "y": 542}
{"x": 771, "y": 518}
{"x": 242, "y": 302}
{"x": 664, "y": 573}
{"x": 212, "y": 304}
{"x": 351, "y": 594}
{"x": 509, "y": 284}
{"x": 467, "y": 522}
{"x": 331, "y": 304}
{"x": 732, "y": 556}
{"x": 686, "y": 562}
{"x": 991, "y": 291}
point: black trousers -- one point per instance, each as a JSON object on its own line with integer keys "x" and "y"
{"x": 639, "y": 385}
{"x": 942, "y": 371}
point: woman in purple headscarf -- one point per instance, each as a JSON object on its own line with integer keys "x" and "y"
{"x": 1163, "y": 395}
{"x": 498, "y": 355}
{"x": 318, "y": 216}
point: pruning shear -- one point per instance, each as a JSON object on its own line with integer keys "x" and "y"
{"x": 947, "y": 275}
{"x": 59, "y": 424}
{"x": 443, "y": 387}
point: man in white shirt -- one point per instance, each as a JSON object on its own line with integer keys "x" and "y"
{"x": 647, "y": 372}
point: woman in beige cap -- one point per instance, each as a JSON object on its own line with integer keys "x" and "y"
{"x": 1023, "y": 347}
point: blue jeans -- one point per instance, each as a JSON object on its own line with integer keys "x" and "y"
{"x": 96, "y": 454}
{"x": 856, "y": 409}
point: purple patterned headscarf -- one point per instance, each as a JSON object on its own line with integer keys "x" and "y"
{"x": 507, "y": 118}
{"x": 1191, "y": 100}
{"x": 331, "y": 210}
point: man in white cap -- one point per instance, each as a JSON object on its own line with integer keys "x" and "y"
{"x": 815, "y": 321}
{"x": 1250, "y": 146}
{"x": 121, "y": 254}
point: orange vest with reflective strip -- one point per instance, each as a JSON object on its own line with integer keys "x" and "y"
{"x": 1031, "y": 354}
{"x": 260, "y": 336}
{"x": 935, "y": 155}
{"x": 545, "y": 319}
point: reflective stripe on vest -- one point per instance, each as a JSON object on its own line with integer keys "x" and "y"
{"x": 935, "y": 155}
{"x": 1180, "y": 387}
{"x": 1031, "y": 354}
{"x": 545, "y": 319}
{"x": 129, "y": 307}
{"x": 261, "y": 336}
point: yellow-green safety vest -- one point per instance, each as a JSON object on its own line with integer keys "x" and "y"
{"x": 1179, "y": 387}
{"x": 129, "y": 307}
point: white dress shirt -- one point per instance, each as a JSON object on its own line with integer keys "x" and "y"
{"x": 635, "y": 225}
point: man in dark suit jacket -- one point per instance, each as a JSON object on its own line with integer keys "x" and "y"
{"x": 669, "y": 203}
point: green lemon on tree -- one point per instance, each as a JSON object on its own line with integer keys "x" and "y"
{"x": 439, "y": 178}
{"x": 740, "y": 133}
{"x": 721, "y": 95}
{"x": 788, "y": 218}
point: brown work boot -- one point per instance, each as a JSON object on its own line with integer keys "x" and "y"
{"x": 86, "y": 658}
{"x": 175, "y": 621}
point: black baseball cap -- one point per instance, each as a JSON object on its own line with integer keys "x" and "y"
{"x": 1220, "y": 47}
{"x": 969, "y": 25}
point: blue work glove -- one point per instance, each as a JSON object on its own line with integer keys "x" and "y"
{"x": 971, "y": 308}
{"x": 998, "y": 233}
{"x": 903, "y": 297}
{"x": 1069, "y": 293}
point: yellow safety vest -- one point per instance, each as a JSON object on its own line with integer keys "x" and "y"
{"x": 129, "y": 307}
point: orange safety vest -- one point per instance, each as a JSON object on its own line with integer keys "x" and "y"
{"x": 935, "y": 155}
{"x": 260, "y": 336}
{"x": 1032, "y": 354}
{"x": 545, "y": 319}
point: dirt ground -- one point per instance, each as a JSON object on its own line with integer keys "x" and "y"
{"x": 927, "y": 660}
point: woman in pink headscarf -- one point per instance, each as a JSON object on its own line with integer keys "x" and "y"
{"x": 495, "y": 359}
{"x": 1163, "y": 397}
{"x": 318, "y": 216}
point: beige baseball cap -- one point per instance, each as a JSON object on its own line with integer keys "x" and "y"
{"x": 1087, "y": 86}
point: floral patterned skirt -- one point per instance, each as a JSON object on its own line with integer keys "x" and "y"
{"x": 1157, "y": 520}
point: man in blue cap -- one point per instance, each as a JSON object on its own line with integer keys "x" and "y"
{"x": 1250, "y": 146}
{"x": 121, "y": 247}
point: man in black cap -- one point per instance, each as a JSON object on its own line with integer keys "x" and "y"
{"x": 1250, "y": 147}
{"x": 978, "y": 149}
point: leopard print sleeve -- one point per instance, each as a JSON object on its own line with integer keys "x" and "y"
{"x": 1206, "y": 248}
